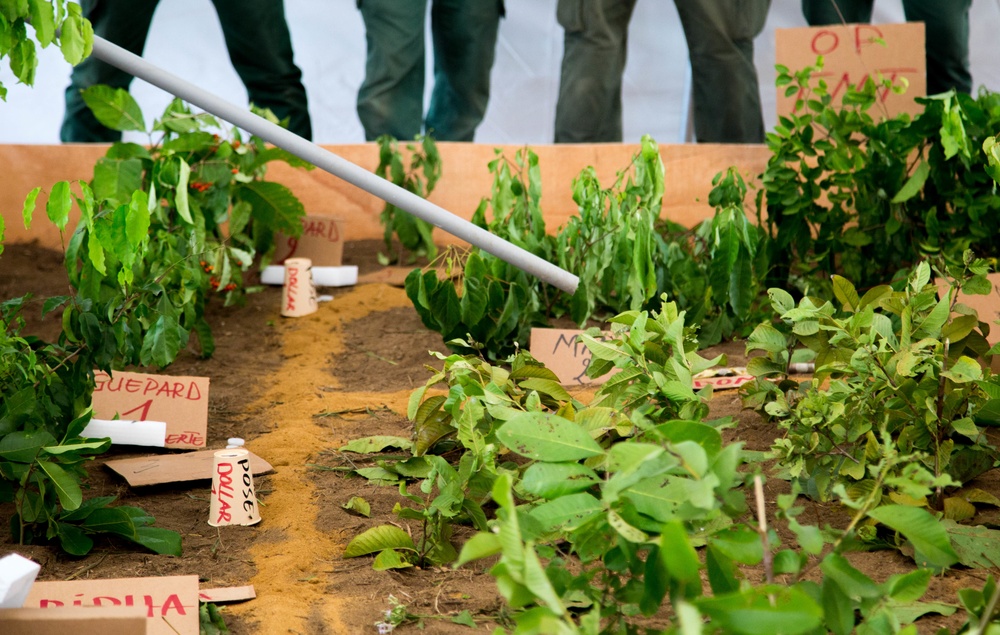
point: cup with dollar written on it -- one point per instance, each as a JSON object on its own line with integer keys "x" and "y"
{"x": 298, "y": 295}
{"x": 234, "y": 500}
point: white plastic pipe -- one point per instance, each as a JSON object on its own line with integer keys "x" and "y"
{"x": 335, "y": 165}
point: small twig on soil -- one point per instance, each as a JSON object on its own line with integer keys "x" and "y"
{"x": 380, "y": 358}
{"x": 85, "y": 569}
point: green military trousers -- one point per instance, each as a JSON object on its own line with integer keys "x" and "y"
{"x": 719, "y": 35}
{"x": 946, "y": 24}
{"x": 391, "y": 97}
{"x": 259, "y": 45}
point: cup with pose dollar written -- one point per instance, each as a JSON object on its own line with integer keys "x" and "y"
{"x": 234, "y": 501}
{"x": 298, "y": 295}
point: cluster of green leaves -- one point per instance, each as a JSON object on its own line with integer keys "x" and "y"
{"x": 483, "y": 303}
{"x": 415, "y": 235}
{"x": 613, "y": 245}
{"x": 601, "y": 509}
{"x": 715, "y": 272}
{"x": 46, "y": 18}
{"x": 199, "y": 205}
{"x": 42, "y": 414}
{"x": 481, "y": 397}
{"x": 895, "y": 370}
{"x": 851, "y": 193}
{"x": 161, "y": 229}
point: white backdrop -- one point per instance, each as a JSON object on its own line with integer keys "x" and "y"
{"x": 328, "y": 36}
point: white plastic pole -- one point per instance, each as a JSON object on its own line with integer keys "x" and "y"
{"x": 335, "y": 165}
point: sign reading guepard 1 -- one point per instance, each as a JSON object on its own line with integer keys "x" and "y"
{"x": 851, "y": 54}
{"x": 182, "y": 402}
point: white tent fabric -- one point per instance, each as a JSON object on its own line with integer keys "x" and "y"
{"x": 328, "y": 36}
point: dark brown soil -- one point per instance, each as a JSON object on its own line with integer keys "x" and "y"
{"x": 372, "y": 351}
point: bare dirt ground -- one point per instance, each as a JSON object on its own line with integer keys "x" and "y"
{"x": 296, "y": 389}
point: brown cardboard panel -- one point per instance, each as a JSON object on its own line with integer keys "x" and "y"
{"x": 852, "y": 53}
{"x": 987, "y": 307}
{"x": 176, "y": 468}
{"x": 182, "y": 402}
{"x": 321, "y": 242}
{"x": 228, "y": 594}
{"x": 465, "y": 180}
{"x": 170, "y": 602}
{"x": 90, "y": 620}
{"x": 564, "y": 354}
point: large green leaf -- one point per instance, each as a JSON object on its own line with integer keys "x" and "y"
{"x": 23, "y": 446}
{"x": 373, "y": 444}
{"x": 852, "y": 582}
{"x": 763, "y": 610}
{"x": 567, "y": 512}
{"x": 552, "y": 480}
{"x": 114, "y": 107}
{"x": 914, "y": 184}
{"x": 163, "y": 341}
{"x": 59, "y": 203}
{"x": 116, "y": 180}
{"x": 927, "y": 535}
{"x": 379, "y": 539}
{"x": 389, "y": 559}
{"x": 110, "y": 520}
{"x": 548, "y": 437}
{"x": 975, "y": 546}
{"x": 73, "y": 540}
{"x": 76, "y": 36}
{"x": 481, "y": 545}
{"x": 274, "y": 205}
{"x": 158, "y": 540}
{"x": 66, "y": 485}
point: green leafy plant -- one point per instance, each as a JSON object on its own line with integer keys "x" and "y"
{"x": 597, "y": 537}
{"x": 161, "y": 229}
{"x": 894, "y": 369}
{"x": 864, "y": 197}
{"x": 415, "y": 235}
{"x": 54, "y": 22}
{"x": 715, "y": 271}
{"x": 210, "y": 620}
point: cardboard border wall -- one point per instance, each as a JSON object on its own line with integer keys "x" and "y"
{"x": 465, "y": 180}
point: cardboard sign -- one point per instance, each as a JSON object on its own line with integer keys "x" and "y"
{"x": 176, "y": 468}
{"x": 852, "y": 53}
{"x": 228, "y": 594}
{"x": 565, "y": 355}
{"x": 170, "y": 602}
{"x": 720, "y": 382}
{"x": 321, "y": 242}
{"x": 182, "y": 402}
{"x": 80, "y": 620}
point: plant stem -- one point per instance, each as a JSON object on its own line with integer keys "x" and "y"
{"x": 758, "y": 490}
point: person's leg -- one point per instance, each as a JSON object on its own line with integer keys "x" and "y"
{"x": 589, "y": 109}
{"x": 823, "y": 12}
{"x": 260, "y": 49}
{"x": 946, "y": 25}
{"x": 726, "y": 95}
{"x": 121, "y": 22}
{"x": 391, "y": 97}
{"x": 465, "y": 37}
